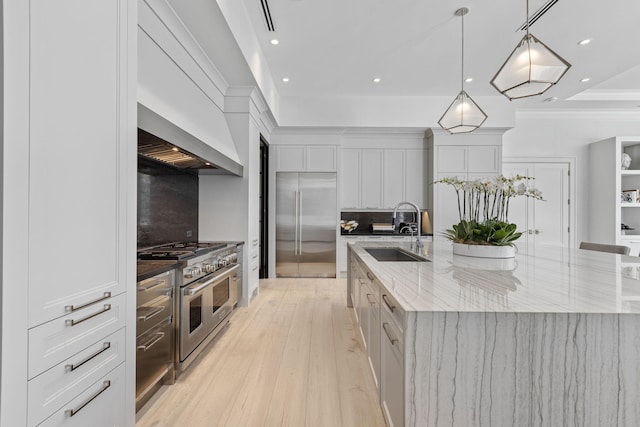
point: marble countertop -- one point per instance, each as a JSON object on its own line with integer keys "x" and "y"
{"x": 545, "y": 280}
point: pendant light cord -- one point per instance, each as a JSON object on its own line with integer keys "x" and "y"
{"x": 462, "y": 56}
{"x": 527, "y": 19}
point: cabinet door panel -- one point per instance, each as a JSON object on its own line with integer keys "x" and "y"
{"x": 321, "y": 159}
{"x": 393, "y": 178}
{"x": 74, "y": 206}
{"x": 415, "y": 185}
{"x": 392, "y": 371}
{"x": 483, "y": 159}
{"x": 372, "y": 179}
{"x": 350, "y": 178}
{"x": 290, "y": 158}
{"x": 451, "y": 159}
{"x": 446, "y": 211}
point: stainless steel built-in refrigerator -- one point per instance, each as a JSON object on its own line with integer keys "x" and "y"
{"x": 306, "y": 223}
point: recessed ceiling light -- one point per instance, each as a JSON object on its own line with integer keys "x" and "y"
{"x": 274, "y": 41}
{"x": 377, "y": 80}
{"x": 586, "y": 79}
{"x": 468, "y": 79}
{"x": 583, "y": 42}
{"x": 552, "y": 99}
{"x": 285, "y": 79}
{"x": 175, "y": 149}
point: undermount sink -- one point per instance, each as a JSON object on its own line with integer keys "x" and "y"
{"x": 394, "y": 255}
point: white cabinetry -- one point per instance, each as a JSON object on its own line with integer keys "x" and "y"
{"x": 466, "y": 161}
{"x": 391, "y": 363}
{"x": 350, "y": 178}
{"x": 306, "y": 158}
{"x": 381, "y": 178}
{"x": 607, "y": 181}
{"x": 79, "y": 219}
{"x": 372, "y": 179}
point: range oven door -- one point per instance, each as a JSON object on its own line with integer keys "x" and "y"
{"x": 204, "y": 304}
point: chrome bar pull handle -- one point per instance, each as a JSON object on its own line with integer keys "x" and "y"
{"x": 153, "y": 284}
{"x": 152, "y": 313}
{"x": 297, "y": 219}
{"x": 393, "y": 340}
{"x": 146, "y": 346}
{"x": 300, "y": 223}
{"x": 391, "y": 306}
{"x": 105, "y": 385}
{"x": 369, "y": 299}
{"x": 105, "y": 346}
{"x": 72, "y": 308}
{"x": 73, "y": 322}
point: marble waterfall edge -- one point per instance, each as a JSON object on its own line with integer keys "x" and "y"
{"x": 484, "y": 251}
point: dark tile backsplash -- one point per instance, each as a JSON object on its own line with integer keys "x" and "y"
{"x": 167, "y": 204}
{"x": 366, "y": 218}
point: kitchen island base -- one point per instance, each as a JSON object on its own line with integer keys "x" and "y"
{"x": 522, "y": 369}
{"x": 546, "y": 344}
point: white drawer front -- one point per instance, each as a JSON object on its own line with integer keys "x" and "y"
{"x": 57, "y": 340}
{"x": 49, "y": 391}
{"x": 100, "y": 405}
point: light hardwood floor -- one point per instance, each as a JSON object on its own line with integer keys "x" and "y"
{"x": 292, "y": 358}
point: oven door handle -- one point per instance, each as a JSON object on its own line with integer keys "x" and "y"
{"x": 195, "y": 288}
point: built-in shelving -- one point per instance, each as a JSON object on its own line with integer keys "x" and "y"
{"x": 607, "y": 180}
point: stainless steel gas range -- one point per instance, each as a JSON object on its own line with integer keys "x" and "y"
{"x": 207, "y": 290}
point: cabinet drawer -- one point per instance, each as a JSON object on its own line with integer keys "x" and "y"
{"x": 153, "y": 356}
{"x": 153, "y": 312}
{"x": 99, "y": 405}
{"x": 59, "y": 339}
{"x": 389, "y": 303}
{"x": 49, "y": 391}
{"x": 152, "y": 288}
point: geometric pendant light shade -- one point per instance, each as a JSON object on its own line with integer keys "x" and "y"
{"x": 531, "y": 69}
{"x": 463, "y": 115}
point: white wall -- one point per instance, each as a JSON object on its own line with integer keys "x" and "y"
{"x": 229, "y": 206}
{"x": 568, "y": 134}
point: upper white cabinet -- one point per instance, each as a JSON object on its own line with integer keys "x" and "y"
{"x": 607, "y": 180}
{"x": 381, "y": 178}
{"x": 394, "y": 172}
{"x": 465, "y": 156}
{"x": 350, "y": 177}
{"x": 306, "y": 158}
{"x": 372, "y": 179}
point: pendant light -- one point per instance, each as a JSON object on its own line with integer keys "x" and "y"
{"x": 531, "y": 69}
{"x": 463, "y": 115}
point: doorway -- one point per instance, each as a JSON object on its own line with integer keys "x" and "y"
{"x": 264, "y": 208}
{"x": 551, "y": 221}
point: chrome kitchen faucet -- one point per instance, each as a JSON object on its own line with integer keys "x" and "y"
{"x": 419, "y": 244}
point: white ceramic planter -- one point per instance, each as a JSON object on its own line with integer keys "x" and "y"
{"x": 484, "y": 251}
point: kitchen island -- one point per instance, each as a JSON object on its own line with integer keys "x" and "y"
{"x": 551, "y": 337}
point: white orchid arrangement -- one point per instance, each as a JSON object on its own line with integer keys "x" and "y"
{"x": 483, "y": 208}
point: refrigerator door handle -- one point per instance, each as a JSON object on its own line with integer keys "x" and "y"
{"x": 297, "y": 220}
{"x": 300, "y": 223}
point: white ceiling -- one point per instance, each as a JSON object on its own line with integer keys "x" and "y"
{"x": 336, "y": 47}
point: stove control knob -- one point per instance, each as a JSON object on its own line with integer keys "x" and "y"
{"x": 188, "y": 274}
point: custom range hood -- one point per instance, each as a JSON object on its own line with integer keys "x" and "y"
{"x": 162, "y": 141}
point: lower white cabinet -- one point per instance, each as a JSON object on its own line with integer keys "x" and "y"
{"x": 55, "y": 387}
{"x": 392, "y": 370}
{"x": 99, "y": 405}
{"x": 381, "y": 324}
{"x": 372, "y": 332}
